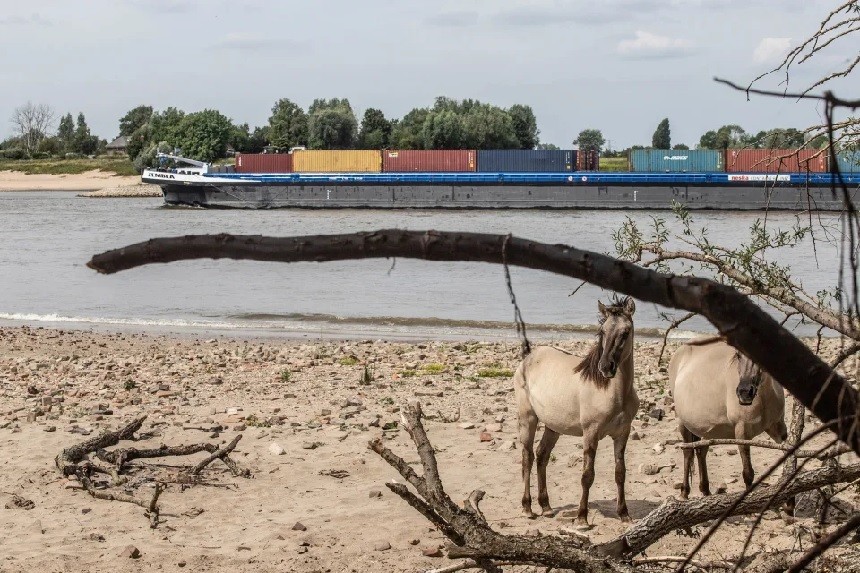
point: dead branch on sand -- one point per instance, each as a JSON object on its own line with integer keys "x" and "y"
{"x": 76, "y": 461}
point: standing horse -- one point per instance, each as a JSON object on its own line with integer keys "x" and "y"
{"x": 720, "y": 393}
{"x": 592, "y": 397}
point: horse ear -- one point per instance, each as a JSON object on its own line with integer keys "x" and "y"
{"x": 601, "y": 308}
{"x": 629, "y": 306}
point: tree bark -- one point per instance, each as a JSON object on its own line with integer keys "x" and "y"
{"x": 745, "y": 325}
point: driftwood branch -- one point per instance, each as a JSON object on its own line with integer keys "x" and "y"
{"x": 836, "y": 451}
{"x": 673, "y": 514}
{"x": 746, "y": 326}
{"x": 70, "y": 457}
{"x": 224, "y": 456}
{"x": 467, "y": 528}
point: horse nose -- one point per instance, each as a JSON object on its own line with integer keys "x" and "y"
{"x": 746, "y": 395}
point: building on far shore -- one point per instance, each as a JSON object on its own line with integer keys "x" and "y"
{"x": 118, "y": 146}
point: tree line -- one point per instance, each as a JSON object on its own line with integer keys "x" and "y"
{"x": 332, "y": 124}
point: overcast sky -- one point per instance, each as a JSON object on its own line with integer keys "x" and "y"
{"x": 616, "y": 65}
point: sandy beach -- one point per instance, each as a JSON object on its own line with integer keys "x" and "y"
{"x": 94, "y": 180}
{"x": 306, "y": 412}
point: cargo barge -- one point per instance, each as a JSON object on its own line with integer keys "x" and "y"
{"x": 202, "y": 187}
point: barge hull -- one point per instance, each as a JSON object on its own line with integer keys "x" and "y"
{"x": 465, "y": 196}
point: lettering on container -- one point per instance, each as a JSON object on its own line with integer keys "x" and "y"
{"x": 675, "y": 157}
{"x": 761, "y": 177}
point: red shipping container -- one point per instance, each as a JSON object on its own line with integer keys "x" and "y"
{"x": 776, "y": 161}
{"x": 264, "y": 163}
{"x": 429, "y": 160}
{"x": 587, "y": 160}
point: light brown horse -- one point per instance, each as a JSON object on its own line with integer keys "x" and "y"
{"x": 591, "y": 396}
{"x": 720, "y": 393}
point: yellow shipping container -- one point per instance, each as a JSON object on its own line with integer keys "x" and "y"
{"x": 337, "y": 161}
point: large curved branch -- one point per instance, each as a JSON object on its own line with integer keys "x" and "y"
{"x": 745, "y": 325}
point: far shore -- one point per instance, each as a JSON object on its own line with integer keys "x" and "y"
{"x": 94, "y": 180}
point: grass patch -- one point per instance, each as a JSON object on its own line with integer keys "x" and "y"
{"x": 348, "y": 361}
{"x": 285, "y": 376}
{"x": 408, "y": 374}
{"x": 434, "y": 368}
{"x": 117, "y": 165}
{"x": 495, "y": 372}
{"x": 613, "y": 164}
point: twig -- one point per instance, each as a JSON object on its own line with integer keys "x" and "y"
{"x": 68, "y": 459}
{"x": 223, "y": 455}
{"x": 838, "y": 450}
{"x": 825, "y": 544}
{"x": 678, "y": 559}
{"x": 675, "y": 324}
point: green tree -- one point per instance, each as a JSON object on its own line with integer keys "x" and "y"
{"x": 489, "y": 127}
{"x": 408, "y": 133}
{"x": 331, "y": 124}
{"x": 259, "y": 139}
{"x": 164, "y": 126}
{"x": 443, "y": 130}
{"x": 727, "y": 136}
{"x": 375, "y": 130}
{"x": 66, "y": 133}
{"x": 135, "y": 119}
{"x": 204, "y": 135}
{"x": 288, "y": 125}
{"x": 84, "y": 142}
{"x": 662, "y": 138}
{"x": 525, "y": 125}
{"x": 548, "y": 146}
{"x": 590, "y": 140}
{"x": 680, "y": 146}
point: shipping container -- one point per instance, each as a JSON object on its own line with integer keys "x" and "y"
{"x": 587, "y": 160}
{"x": 427, "y": 160}
{"x": 526, "y": 161}
{"x": 337, "y": 161}
{"x": 264, "y": 163}
{"x": 775, "y": 161}
{"x": 676, "y": 160}
{"x": 848, "y": 161}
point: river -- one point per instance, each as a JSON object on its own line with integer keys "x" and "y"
{"x": 46, "y": 238}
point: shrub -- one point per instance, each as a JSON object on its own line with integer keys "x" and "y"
{"x": 14, "y": 153}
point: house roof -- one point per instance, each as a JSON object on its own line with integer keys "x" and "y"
{"x": 120, "y": 142}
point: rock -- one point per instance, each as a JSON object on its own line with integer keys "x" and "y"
{"x": 382, "y": 546}
{"x": 486, "y": 437}
{"x": 325, "y": 412}
{"x": 493, "y": 428}
{"x": 659, "y": 449}
{"x": 130, "y": 552}
{"x": 532, "y": 532}
{"x": 431, "y": 552}
{"x": 276, "y": 449}
{"x": 467, "y": 426}
{"x": 302, "y": 549}
{"x": 374, "y": 493}
{"x": 181, "y": 564}
{"x": 299, "y": 527}
{"x": 657, "y": 413}
{"x": 311, "y": 445}
{"x": 649, "y": 469}
{"x": 18, "y": 502}
{"x": 634, "y": 436}
{"x": 414, "y": 541}
{"x": 678, "y": 485}
{"x": 732, "y": 452}
{"x": 507, "y": 445}
{"x": 722, "y": 487}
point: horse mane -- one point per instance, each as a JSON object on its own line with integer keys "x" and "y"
{"x": 588, "y": 367}
{"x": 706, "y": 341}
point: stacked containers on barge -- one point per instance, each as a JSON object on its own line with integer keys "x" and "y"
{"x": 848, "y": 161}
{"x": 337, "y": 161}
{"x": 776, "y": 161}
{"x": 676, "y": 160}
{"x": 428, "y": 160}
{"x": 526, "y": 161}
{"x": 587, "y": 160}
{"x": 264, "y": 163}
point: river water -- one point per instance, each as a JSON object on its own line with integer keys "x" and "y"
{"x": 47, "y": 238}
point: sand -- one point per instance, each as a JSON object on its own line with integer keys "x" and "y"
{"x": 89, "y": 181}
{"x": 297, "y": 394}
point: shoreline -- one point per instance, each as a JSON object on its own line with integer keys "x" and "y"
{"x": 88, "y": 181}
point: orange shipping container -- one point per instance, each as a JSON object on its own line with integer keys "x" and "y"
{"x": 264, "y": 163}
{"x": 775, "y": 161}
{"x": 337, "y": 161}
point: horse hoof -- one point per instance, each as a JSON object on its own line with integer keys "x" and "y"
{"x": 529, "y": 514}
{"x": 582, "y": 525}
{"x": 626, "y": 519}
{"x": 547, "y": 512}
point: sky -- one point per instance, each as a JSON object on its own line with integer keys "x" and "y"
{"x": 615, "y": 65}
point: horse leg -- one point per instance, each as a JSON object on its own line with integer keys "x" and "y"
{"x": 620, "y": 446}
{"x": 748, "y": 473}
{"x": 688, "y": 438}
{"x": 589, "y": 449}
{"x": 544, "y": 449}
{"x": 528, "y": 425}
{"x": 701, "y": 456}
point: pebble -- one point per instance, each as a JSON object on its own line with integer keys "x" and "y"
{"x": 486, "y": 437}
{"x": 657, "y": 413}
{"x": 722, "y": 487}
{"x": 659, "y": 449}
{"x": 466, "y": 426}
{"x": 493, "y": 428}
{"x": 635, "y": 436}
{"x": 431, "y": 552}
{"x": 276, "y": 449}
{"x": 414, "y": 541}
{"x": 130, "y": 552}
{"x": 649, "y": 469}
{"x": 382, "y": 546}
{"x": 374, "y": 493}
{"x": 310, "y": 445}
{"x": 299, "y": 527}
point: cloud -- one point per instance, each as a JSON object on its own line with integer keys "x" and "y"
{"x": 31, "y": 20}
{"x": 651, "y": 46}
{"x": 453, "y": 19}
{"x": 245, "y": 42}
{"x": 563, "y": 12}
{"x": 165, "y": 6}
{"x": 771, "y": 50}
{"x": 533, "y": 17}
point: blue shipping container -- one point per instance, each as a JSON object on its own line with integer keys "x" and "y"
{"x": 848, "y": 161}
{"x": 676, "y": 160}
{"x": 526, "y": 161}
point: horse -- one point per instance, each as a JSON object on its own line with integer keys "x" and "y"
{"x": 591, "y": 396}
{"x": 720, "y": 393}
